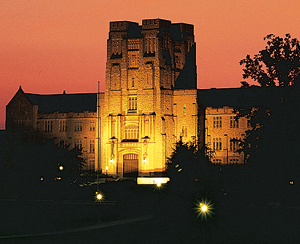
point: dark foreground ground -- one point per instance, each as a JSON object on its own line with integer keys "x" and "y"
{"x": 153, "y": 218}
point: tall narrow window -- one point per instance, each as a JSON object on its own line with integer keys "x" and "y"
{"x": 184, "y": 131}
{"x": 184, "y": 109}
{"x": 132, "y": 82}
{"x": 113, "y": 128}
{"x": 233, "y": 144}
{"x": 78, "y": 126}
{"x": 92, "y": 125}
{"x": 132, "y": 104}
{"x": 62, "y": 125}
{"x": 217, "y": 144}
{"x": 92, "y": 146}
{"x": 234, "y": 123}
{"x": 217, "y": 122}
{"x": 78, "y": 144}
{"x": 131, "y": 132}
{"x": 48, "y": 125}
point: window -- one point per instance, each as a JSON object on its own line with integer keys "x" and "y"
{"x": 92, "y": 146}
{"x": 217, "y": 122}
{"x": 113, "y": 128}
{"x": 184, "y": 109}
{"x": 48, "y": 125}
{"x": 92, "y": 125}
{"x": 91, "y": 165}
{"x": 78, "y": 125}
{"x": 234, "y": 123}
{"x": 132, "y": 83}
{"x": 217, "y": 160}
{"x": 132, "y": 104}
{"x": 131, "y": 132}
{"x": 233, "y": 144}
{"x": 184, "y": 131}
{"x": 234, "y": 161}
{"x": 248, "y": 123}
{"x": 217, "y": 144}
{"x": 62, "y": 125}
{"x": 78, "y": 144}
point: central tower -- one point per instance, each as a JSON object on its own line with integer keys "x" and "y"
{"x": 145, "y": 65}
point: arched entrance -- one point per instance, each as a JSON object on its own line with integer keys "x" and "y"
{"x": 130, "y": 165}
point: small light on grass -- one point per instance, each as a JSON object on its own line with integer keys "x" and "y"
{"x": 291, "y": 182}
{"x": 99, "y": 196}
{"x": 204, "y": 209}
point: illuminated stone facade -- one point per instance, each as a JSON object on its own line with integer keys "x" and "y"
{"x": 144, "y": 112}
{"x": 150, "y": 101}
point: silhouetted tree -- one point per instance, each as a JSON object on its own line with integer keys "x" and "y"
{"x": 189, "y": 170}
{"x": 271, "y": 145}
{"x": 277, "y": 64}
{"x": 32, "y": 167}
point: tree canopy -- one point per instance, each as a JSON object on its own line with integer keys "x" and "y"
{"x": 278, "y": 64}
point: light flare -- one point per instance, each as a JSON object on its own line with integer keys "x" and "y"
{"x": 204, "y": 209}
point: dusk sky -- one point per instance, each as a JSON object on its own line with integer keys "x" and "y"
{"x": 49, "y": 46}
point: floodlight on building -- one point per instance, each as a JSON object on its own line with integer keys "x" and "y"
{"x": 106, "y": 168}
{"x": 158, "y": 184}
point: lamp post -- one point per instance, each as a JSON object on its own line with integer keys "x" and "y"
{"x": 106, "y": 168}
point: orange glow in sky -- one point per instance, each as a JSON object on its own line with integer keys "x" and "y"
{"x": 50, "y": 46}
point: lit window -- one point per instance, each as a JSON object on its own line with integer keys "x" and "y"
{"x": 78, "y": 144}
{"x": 48, "y": 125}
{"x": 62, "y": 125}
{"x": 92, "y": 125}
{"x": 234, "y": 123}
{"x": 78, "y": 125}
{"x": 217, "y": 144}
{"x": 233, "y": 144}
{"x": 132, "y": 104}
{"x": 184, "y": 131}
{"x": 217, "y": 160}
{"x": 92, "y": 146}
{"x": 234, "y": 161}
{"x": 131, "y": 132}
{"x": 184, "y": 109}
{"x": 217, "y": 122}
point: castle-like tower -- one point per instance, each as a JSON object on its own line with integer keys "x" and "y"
{"x": 150, "y": 102}
{"x": 150, "y": 87}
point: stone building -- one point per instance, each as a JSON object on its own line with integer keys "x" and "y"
{"x": 150, "y": 101}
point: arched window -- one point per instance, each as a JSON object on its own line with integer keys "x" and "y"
{"x": 131, "y": 132}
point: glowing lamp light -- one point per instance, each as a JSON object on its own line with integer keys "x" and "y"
{"x": 111, "y": 160}
{"x": 291, "y": 182}
{"x": 158, "y": 184}
{"x": 106, "y": 167}
{"x": 144, "y": 160}
{"x": 204, "y": 209}
{"x": 61, "y": 167}
{"x": 99, "y": 196}
{"x": 42, "y": 178}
